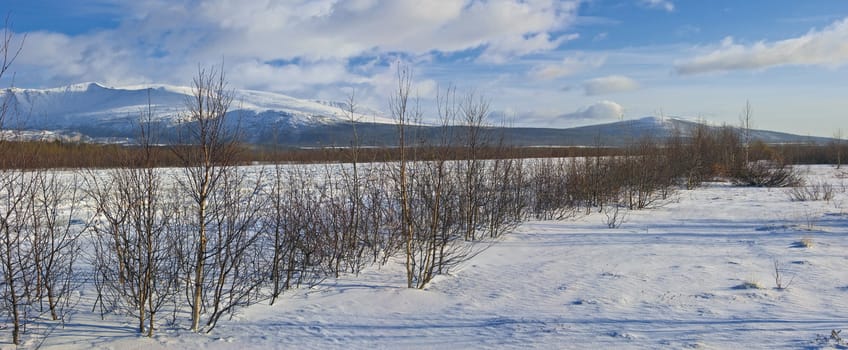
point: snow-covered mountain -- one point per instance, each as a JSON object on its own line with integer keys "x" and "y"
{"x": 663, "y": 127}
{"x": 97, "y": 111}
{"x": 93, "y": 112}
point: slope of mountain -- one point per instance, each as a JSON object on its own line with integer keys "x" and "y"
{"x": 93, "y": 112}
{"x": 97, "y": 111}
{"x": 608, "y": 135}
{"x": 626, "y": 131}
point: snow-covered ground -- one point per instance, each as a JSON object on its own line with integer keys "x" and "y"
{"x": 669, "y": 277}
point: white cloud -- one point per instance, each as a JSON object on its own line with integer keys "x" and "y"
{"x": 61, "y": 59}
{"x": 164, "y": 41}
{"x": 598, "y": 112}
{"x": 324, "y": 29}
{"x": 385, "y": 83}
{"x": 826, "y": 47}
{"x": 289, "y": 77}
{"x": 568, "y": 66}
{"x": 502, "y": 51}
{"x": 666, "y": 5}
{"x": 609, "y": 84}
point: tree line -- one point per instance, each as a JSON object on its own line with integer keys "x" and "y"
{"x": 75, "y": 155}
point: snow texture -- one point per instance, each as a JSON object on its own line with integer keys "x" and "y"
{"x": 668, "y": 278}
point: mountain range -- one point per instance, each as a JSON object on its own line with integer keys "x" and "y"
{"x": 93, "y": 112}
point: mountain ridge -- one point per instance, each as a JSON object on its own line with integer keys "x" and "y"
{"x": 94, "y": 112}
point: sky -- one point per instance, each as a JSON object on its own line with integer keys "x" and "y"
{"x": 541, "y": 63}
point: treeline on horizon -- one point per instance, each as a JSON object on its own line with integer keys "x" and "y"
{"x": 76, "y": 155}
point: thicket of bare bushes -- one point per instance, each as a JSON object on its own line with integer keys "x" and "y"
{"x": 73, "y": 155}
{"x": 39, "y": 243}
{"x": 201, "y": 241}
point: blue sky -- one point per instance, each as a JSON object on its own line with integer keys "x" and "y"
{"x": 538, "y": 62}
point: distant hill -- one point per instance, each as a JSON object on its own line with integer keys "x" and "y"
{"x": 614, "y": 134}
{"x": 96, "y": 113}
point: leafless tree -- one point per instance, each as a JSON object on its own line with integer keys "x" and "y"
{"x": 219, "y": 225}
{"x": 136, "y": 268}
{"x": 207, "y": 149}
{"x": 15, "y": 262}
{"x": 55, "y": 230}
{"x": 473, "y": 111}
{"x": 429, "y": 190}
{"x": 747, "y": 123}
{"x": 9, "y": 53}
{"x": 235, "y": 270}
{"x": 348, "y": 204}
{"x": 404, "y": 112}
{"x": 16, "y": 210}
{"x": 38, "y": 241}
{"x": 837, "y": 137}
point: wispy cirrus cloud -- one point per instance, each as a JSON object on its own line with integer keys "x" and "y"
{"x": 827, "y": 47}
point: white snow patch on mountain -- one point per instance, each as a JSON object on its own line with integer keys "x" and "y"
{"x": 92, "y": 104}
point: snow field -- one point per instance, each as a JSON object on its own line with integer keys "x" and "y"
{"x": 669, "y": 277}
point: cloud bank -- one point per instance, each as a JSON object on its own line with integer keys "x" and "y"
{"x": 294, "y": 46}
{"x": 827, "y": 47}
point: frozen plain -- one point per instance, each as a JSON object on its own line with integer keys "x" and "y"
{"x": 667, "y": 278}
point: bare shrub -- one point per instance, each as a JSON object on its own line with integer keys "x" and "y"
{"x": 439, "y": 201}
{"x": 15, "y": 262}
{"x": 286, "y": 225}
{"x": 711, "y": 153}
{"x": 39, "y": 245}
{"x": 506, "y": 203}
{"x": 642, "y": 176}
{"x": 551, "y": 183}
{"x": 780, "y": 283}
{"x": 818, "y": 191}
{"x": 768, "y": 174}
{"x": 809, "y": 219}
{"x": 235, "y": 270}
{"x": 614, "y": 215}
{"x": 136, "y": 269}
{"x": 54, "y": 239}
{"x": 834, "y": 339}
{"x": 472, "y": 112}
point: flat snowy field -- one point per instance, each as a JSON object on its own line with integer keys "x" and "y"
{"x": 669, "y": 277}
